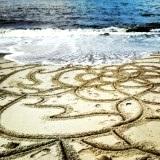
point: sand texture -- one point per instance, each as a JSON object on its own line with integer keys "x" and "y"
{"x": 80, "y": 112}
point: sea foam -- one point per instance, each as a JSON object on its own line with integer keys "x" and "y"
{"x": 77, "y": 46}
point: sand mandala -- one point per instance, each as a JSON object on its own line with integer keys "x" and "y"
{"x": 80, "y": 112}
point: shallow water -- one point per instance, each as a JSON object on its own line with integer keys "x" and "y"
{"x": 77, "y": 46}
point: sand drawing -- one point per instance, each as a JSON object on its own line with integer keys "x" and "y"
{"x": 108, "y": 112}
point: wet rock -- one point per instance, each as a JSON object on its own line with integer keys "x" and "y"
{"x": 146, "y": 28}
{"x": 139, "y": 29}
{"x": 105, "y": 34}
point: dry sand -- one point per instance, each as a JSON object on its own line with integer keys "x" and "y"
{"x": 80, "y": 112}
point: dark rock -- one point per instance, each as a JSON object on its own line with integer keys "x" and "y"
{"x": 144, "y": 28}
{"x": 105, "y": 34}
{"x": 139, "y": 29}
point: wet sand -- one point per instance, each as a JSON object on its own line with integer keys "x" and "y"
{"x": 108, "y": 112}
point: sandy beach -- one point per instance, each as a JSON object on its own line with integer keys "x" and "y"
{"x": 101, "y": 112}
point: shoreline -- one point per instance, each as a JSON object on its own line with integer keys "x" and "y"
{"x": 82, "y": 46}
{"x": 125, "y": 61}
{"x": 80, "y": 112}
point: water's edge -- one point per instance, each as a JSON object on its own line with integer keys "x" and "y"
{"x": 77, "y": 46}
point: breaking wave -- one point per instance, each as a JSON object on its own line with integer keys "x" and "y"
{"x": 77, "y": 46}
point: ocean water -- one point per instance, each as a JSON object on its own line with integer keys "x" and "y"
{"x": 79, "y": 31}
